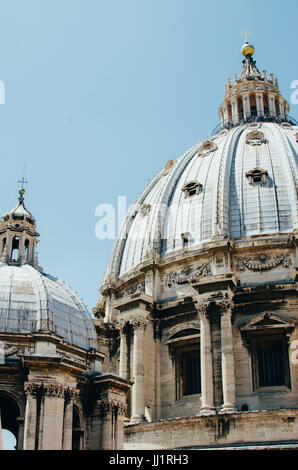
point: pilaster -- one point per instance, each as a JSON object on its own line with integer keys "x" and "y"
{"x": 207, "y": 384}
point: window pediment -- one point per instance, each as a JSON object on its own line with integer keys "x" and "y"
{"x": 255, "y": 138}
{"x": 257, "y": 176}
{"x": 192, "y": 188}
{"x": 267, "y": 320}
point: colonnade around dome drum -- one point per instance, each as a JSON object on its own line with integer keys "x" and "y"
{"x": 242, "y": 105}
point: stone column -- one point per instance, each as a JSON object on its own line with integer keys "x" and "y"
{"x": 207, "y": 386}
{"x": 260, "y": 104}
{"x": 235, "y": 111}
{"x": 53, "y": 411}
{"x": 281, "y": 108}
{"x": 271, "y": 102}
{"x": 123, "y": 352}
{"x": 225, "y": 114}
{"x": 67, "y": 422}
{"x": 30, "y": 438}
{"x": 246, "y": 105}
{"x": 138, "y": 405}
{"x": 227, "y": 358}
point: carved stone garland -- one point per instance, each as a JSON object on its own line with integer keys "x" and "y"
{"x": 263, "y": 263}
{"x": 188, "y": 274}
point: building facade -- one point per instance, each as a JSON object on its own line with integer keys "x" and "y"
{"x": 198, "y": 307}
{"x": 53, "y": 394}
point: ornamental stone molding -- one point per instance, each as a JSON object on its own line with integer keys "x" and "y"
{"x": 188, "y": 274}
{"x": 255, "y": 138}
{"x": 263, "y": 263}
{"x": 138, "y": 288}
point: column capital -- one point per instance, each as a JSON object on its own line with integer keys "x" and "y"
{"x": 202, "y": 309}
{"x": 139, "y": 323}
{"x": 225, "y": 307}
{"x": 110, "y": 406}
{"x": 32, "y": 389}
{"x": 121, "y": 326}
{"x": 54, "y": 390}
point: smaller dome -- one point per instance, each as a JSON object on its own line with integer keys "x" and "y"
{"x": 20, "y": 212}
{"x": 247, "y": 49}
{"x": 32, "y": 301}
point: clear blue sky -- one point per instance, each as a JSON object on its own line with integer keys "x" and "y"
{"x": 101, "y": 94}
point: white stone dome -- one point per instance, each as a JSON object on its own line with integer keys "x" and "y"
{"x": 243, "y": 184}
{"x": 32, "y": 302}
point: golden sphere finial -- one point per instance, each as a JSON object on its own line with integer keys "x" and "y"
{"x": 22, "y": 192}
{"x": 247, "y": 49}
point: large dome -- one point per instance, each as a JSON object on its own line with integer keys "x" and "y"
{"x": 33, "y": 302}
{"x": 240, "y": 183}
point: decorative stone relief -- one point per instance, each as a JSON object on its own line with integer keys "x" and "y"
{"x": 9, "y": 353}
{"x": 138, "y": 288}
{"x": 255, "y": 138}
{"x": 264, "y": 263}
{"x": 188, "y": 274}
{"x": 32, "y": 389}
{"x": 206, "y": 148}
{"x": 168, "y": 167}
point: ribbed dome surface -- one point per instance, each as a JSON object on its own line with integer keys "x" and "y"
{"x": 31, "y": 301}
{"x": 229, "y": 203}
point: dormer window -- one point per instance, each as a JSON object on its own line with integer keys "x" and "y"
{"x": 186, "y": 238}
{"x": 255, "y": 138}
{"x": 257, "y": 176}
{"x": 206, "y": 148}
{"x": 192, "y": 189}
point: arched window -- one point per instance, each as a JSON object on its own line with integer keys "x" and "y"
{"x": 3, "y": 245}
{"x": 15, "y": 249}
{"x": 26, "y": 250}
{"x": 9, "y": 413}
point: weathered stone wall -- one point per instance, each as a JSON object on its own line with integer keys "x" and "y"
{"x": 215, "y": 431}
